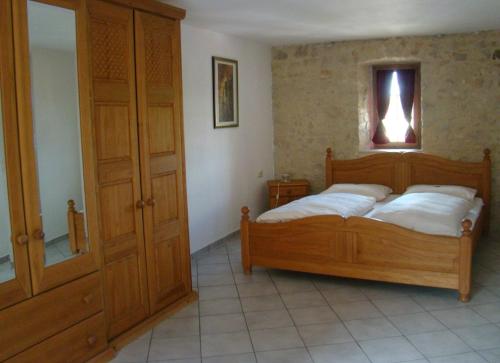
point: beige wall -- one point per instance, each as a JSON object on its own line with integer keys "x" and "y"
{"x": 319, "y": 99}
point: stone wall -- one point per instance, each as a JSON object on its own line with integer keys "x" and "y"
{"x": 320, "y": 94}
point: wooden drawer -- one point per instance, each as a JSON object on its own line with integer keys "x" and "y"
{"x": 76, "y": 344}
{"x": 32, "y": 321}
{"x": 289, "y": 190}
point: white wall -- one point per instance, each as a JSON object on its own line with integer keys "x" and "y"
{"x": 223, "y": 164}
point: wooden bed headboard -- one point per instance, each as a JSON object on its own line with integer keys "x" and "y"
{"x": 398, "y": 170}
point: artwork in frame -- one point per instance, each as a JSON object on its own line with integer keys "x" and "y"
{"x": 225, "y": 92}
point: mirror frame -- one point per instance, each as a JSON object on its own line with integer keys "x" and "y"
{"x": 18, "y": 288}
{"x": 47, "y": 277}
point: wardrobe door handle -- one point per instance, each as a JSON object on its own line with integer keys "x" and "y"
{"x": 151, "y": 202}
{"x": 22, "y": 239}
{"x": 140, "y": 204}
{"x": 91, "y": 340}
{"x": 39, "y": 234}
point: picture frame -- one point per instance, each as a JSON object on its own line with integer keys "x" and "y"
{"x": 225, "y": 92}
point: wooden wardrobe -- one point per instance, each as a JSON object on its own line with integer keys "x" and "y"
{"x": 92, "y": 176}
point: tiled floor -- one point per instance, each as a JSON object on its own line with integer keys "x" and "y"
{"x": 274, "y": 316}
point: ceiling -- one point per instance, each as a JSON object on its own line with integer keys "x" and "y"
{"x": 279, "y": 22}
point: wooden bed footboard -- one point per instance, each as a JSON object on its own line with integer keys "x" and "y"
{"x": 361, "y": 248}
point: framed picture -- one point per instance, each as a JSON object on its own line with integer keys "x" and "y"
{"x": 225, "y": 82}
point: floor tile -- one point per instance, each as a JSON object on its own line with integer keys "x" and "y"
{"x": 137, "y": 351}
{"x": 257, "y": 289}
{"x": 356, "y": 310}
{"x": 189, "y": 311}
{"x": 383, "y": 291}
{"x": 438, "y": 343}
{"x": 268, "y": 319}
{"x": 491, "y": 355}
{"x": 292, "y": 284}
{"x": 217, "y": 292}
{"x": 343, "y": 295}
{"x": 215, "y": 279}
{"x": 276, "y": 339}
{"x": 187, "y": 360}
{"x": 238, "y": 358}
{"x": 225, "y": 344}
{"x": 173, "y": 328}
{"x": 480, "y": 337}
{"x": 217, "y": 268}
{"x": 284, "y": 356}
{"x": 470, "y": 357}
{"x": 262, "y": 303}
{"x": 489, "y": 311}
{"x": 242, "y": 278}
{"x": 174, "y": 348}
{"x": 439, "y": 299}
{"x": 313, "y": 315}
{"x": 459, "y": 318}
{"x": 303, "y": 299}
{"x": 372, "y": 329}
{"x": 398, "y": 306}
{"x": 390, "y": 350}
{"x": 212, "y": 259}
{"x": 416, "y": 323}
{"x": 324, "y": 334}
{"x": 338, "y": 353}
{"x": 220, "y": 306}
{"x": 216, "y": 324}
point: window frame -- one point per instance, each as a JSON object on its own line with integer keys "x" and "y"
{"x": 417, "y": 106}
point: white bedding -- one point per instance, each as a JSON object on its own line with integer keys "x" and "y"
{"x": 295, "y": 210}
{"x": 343, "y": 204}
{"x": 432, "y": 213}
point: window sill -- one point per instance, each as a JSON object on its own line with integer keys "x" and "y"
{"x": 377, "y": 151}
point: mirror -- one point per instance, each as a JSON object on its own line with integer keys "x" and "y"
{"x": 7, "y": 271}
{"x": 56, "y": 118}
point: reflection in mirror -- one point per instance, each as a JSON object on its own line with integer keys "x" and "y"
{"x": 7, "y": 271}
{"x": 52, "y": 34}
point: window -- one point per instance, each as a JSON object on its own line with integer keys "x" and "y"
{"x": 396, "y": 106}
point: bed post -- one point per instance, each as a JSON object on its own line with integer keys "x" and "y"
{"x": 245, "y": 240}
{"x": 465, "y": 261}
{"x": 486, "y": 189}
{"x": 328, "y": 168}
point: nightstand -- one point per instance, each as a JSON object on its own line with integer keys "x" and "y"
{"x": 294, "y": 189}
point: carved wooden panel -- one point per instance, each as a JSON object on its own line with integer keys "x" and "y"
{"x": 112, "y": 131}
{"x": 161, "y": 130}
{"x": 121, "y": 222}
{"x": 110, "y": 50}
{"x": 162, "y": 164}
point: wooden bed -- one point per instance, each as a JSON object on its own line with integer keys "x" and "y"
{"x": 364, "y": 248}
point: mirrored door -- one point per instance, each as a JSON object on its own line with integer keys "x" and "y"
{"x": 56, "y": 141}
{"x": 14, "y": 269}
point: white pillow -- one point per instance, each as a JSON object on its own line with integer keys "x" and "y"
{"x": 455, "y": 190}
{"x": 377, "y": 191}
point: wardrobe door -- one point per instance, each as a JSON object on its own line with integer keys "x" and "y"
{"x": 162, "y": 161}
{"x": 55, "y": 140}
{"x": 121, "y": 226}
{"x": 14, "y": 268}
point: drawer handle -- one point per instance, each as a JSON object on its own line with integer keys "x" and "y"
{"x": 87, "y": 299}
{"x": 151, "y": 202}
{"x": 91, "y": 340}
{"x": 140, "y": 204}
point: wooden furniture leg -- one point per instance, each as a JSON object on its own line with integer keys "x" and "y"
{"x": 465, "y": 263}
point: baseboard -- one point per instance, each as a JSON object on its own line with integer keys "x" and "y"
{"x": 215, "y": 244}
